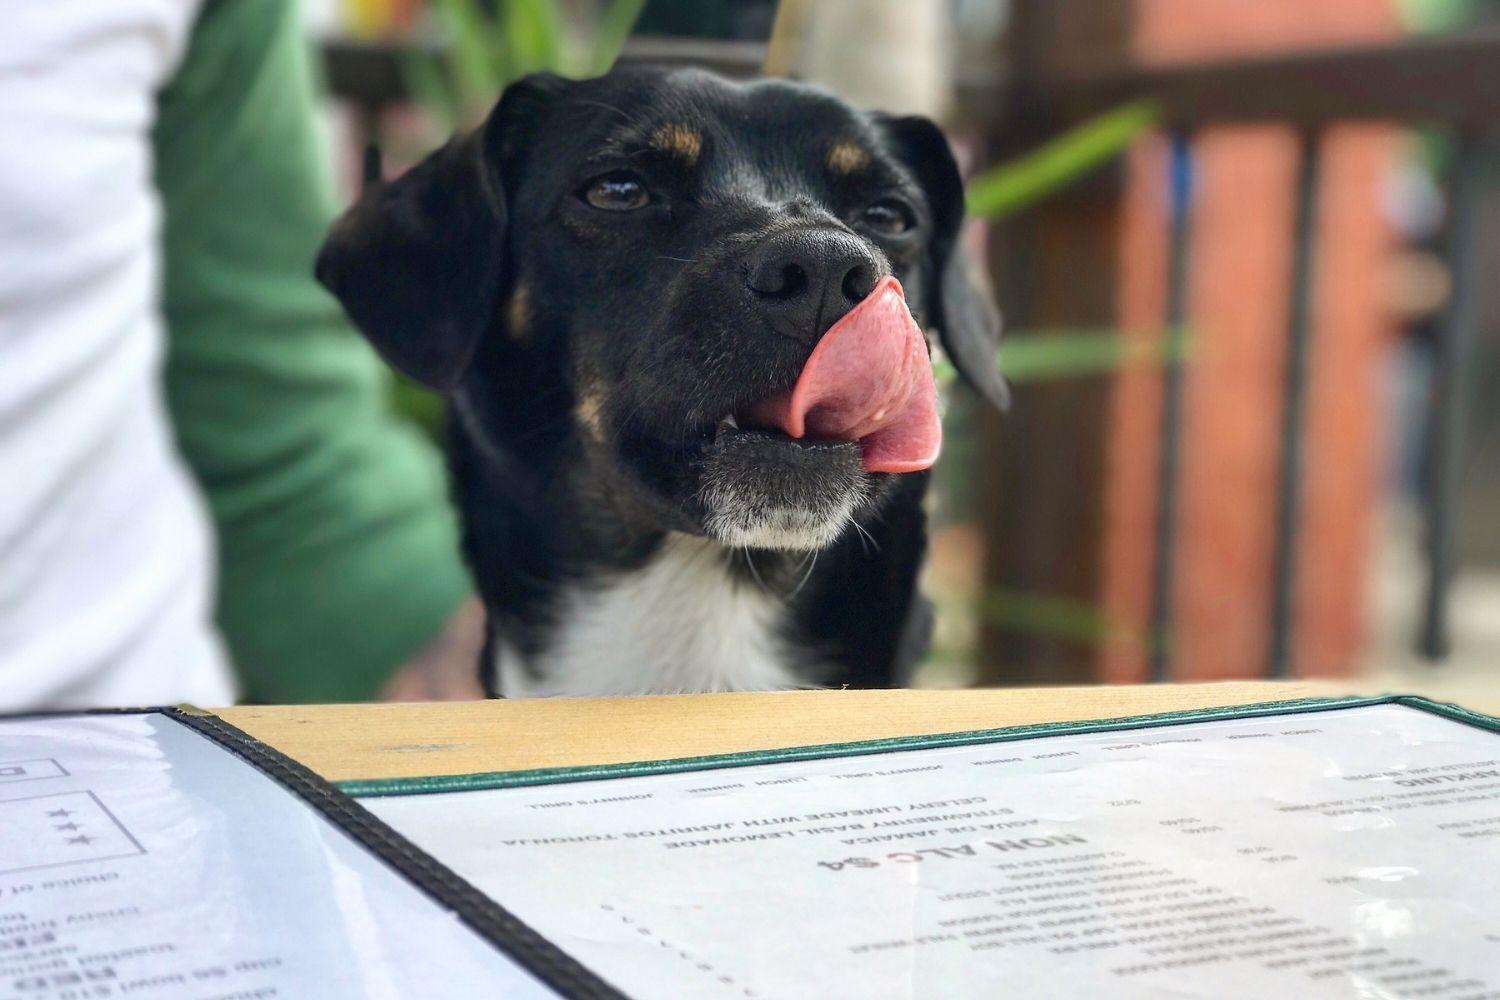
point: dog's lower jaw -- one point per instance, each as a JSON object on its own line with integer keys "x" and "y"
{"x": 763, "y": 490}
{"x": 741, "y": 525}
{"x": 796, "y": 510}
{"x": 683, "y": 623}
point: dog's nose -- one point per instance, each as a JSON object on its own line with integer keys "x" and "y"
{"x": 805, "y": 279}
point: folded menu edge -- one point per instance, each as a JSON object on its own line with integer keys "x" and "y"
{"x": 486, "y": 780}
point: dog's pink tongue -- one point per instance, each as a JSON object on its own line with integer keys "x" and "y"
{"x": 868, "y": 380}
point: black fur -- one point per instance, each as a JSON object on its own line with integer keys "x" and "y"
{"x": 590, "y": 354}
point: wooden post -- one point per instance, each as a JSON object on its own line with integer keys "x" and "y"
{"x": 1041, "y": 467}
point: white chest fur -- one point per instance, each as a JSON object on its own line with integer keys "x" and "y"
{"x": 680, "y": 624}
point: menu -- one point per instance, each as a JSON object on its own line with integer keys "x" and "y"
{"x": 141, "y": 859}
{"x": 1350, "y": 852}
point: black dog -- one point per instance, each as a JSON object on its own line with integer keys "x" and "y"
{"x": 618, "y": 282}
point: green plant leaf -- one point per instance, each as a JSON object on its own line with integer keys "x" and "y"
{"x": 534, "y": 34}
{"x": 1040, "y": 355}
{"x": 422, "y": 74}
{"x": 488, "y": 44}
{"x": 1011, "y": 187}
{"x": 418, "y": 404}
{"x": 477, "y": 53}
{"x": 615, "y": 24}
{"x": 1063, "y": 618}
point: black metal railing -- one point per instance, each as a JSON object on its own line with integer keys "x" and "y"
{"x": 368, "y": 73}
{"x": 1449, "y": 82}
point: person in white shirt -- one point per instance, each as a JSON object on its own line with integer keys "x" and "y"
{"x": 106, "y": 571}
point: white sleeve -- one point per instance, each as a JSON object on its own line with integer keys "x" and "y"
{"x": 106, "y": 560}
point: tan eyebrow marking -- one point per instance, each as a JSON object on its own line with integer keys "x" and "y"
{"x": 679, "y": 140}
{"x": 845, "y": 157}
{"x": 518, "y": 312}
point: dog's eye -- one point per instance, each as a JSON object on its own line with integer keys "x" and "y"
{"x": 617, "y": 192}
{"x": 889, "y": 217}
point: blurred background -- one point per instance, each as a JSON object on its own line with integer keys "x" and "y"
{"x": 1247, "y": 254}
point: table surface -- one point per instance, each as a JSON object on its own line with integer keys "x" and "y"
{"x": 342, "y": 742}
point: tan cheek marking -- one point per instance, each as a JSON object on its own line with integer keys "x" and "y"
{"x": 518, "y": 313}
{"x": 589, "y": 409}
{"x": 846, "y": 158}
{"x": 679, "y": 140}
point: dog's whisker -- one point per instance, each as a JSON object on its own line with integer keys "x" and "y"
{"x": 812, "y": 564}
{"x": 866, "y": 539}
{"x": 607, "y": 107}
{"x": 753, "y": 571}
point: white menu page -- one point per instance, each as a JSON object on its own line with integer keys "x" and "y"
{"x": 1346, "y": 853}
{"x": 139, "y": 859}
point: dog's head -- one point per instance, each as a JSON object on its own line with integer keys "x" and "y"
{"x": 662, "y": 251}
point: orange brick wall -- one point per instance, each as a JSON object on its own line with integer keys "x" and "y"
{"x": 1239, "y": 283}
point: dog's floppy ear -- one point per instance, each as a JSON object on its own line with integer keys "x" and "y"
{"x": 962, "y": 308}
{"x": 418, "y": 263}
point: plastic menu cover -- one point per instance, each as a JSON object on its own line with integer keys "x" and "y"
{"x": 1339, "y": 850}
{"x": 141, "y": 858}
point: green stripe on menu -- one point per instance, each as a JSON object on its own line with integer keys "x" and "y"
{"x": 481, "y": 781}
